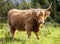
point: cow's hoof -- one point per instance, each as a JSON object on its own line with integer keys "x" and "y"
{"x": 38, "y": 38}
{"x": 11, "y": 38}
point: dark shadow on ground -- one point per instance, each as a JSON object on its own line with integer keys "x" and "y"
{"x": 23, "y": 41}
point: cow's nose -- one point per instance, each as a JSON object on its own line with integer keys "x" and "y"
{"x": 41, "y": 21}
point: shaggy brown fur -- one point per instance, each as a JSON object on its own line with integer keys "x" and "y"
{"x": 27, "y": 20}
{"x": 23, "y": 21}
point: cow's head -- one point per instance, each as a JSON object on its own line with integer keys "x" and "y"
{"x": 42, "y": 16}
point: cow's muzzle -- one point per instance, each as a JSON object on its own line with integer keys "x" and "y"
{"x": 41, "y": 21}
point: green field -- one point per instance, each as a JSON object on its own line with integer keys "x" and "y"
{"x": 49, "y": 34}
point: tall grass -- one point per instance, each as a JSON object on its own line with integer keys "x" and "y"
{"x": 49, "y": 34}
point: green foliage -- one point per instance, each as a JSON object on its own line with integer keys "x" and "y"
{"x": 5, "y": 6}
{"x": 34, "y": 3}
{"x": 54, "y": 13}
{"x": 23, "y": 5}
{"x": 44, "y": 3}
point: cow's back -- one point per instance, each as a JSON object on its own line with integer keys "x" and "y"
{"x": 19, "y": 19}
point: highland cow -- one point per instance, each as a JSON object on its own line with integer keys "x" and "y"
{"x": 27, "y": 20}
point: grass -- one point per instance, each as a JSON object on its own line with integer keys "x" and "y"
{"x": 48, "y": 35}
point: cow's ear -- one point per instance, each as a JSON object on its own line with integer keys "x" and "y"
{"x": 47, "y": 13}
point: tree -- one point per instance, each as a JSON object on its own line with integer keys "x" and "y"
{"x": 34, "y": 3}
{"x": 5, "y": 6}
{"x": 23, "y": 5}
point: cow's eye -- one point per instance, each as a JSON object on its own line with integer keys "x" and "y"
{"x": 41, "y": 14}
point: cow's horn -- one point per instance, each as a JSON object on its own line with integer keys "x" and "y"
{"x": 49, "y": 7}
{"x": 30, "y": 8}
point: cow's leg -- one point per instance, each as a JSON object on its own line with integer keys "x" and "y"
{"x": 12, "y": 32}
{"x": 28, "y": 29}
{"x": 37, "y": 34}
{"x": 29, "y": 34}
